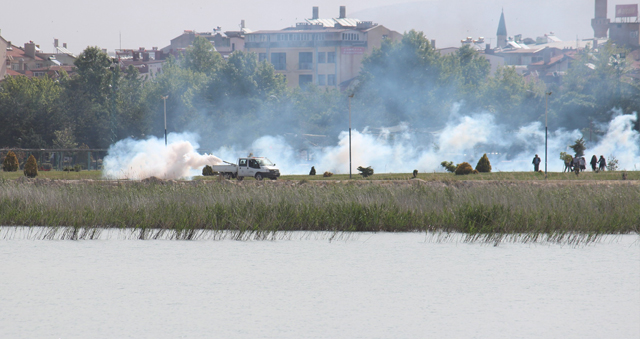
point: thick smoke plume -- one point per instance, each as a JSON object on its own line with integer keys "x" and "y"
{"x": 139, "y": 159}
{"x": 464, "y": 138}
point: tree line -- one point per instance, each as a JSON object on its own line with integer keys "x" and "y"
{"x": 237, "y": 100}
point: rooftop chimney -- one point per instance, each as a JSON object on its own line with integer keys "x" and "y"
{"x": 64, "y": 45}
{"x": 433, "y": 43}
{"x": 30, "y": 49}
{"x": 241, "y": 24}
{"x": 55, "y": 43}
{"x": 343, "y": 12}
{"x": 315, "y": 13}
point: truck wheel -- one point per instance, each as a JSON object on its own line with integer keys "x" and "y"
{"x": 240, "y": 178}
{"x": 258, "y": 176}
{"x": 227, "y": 176}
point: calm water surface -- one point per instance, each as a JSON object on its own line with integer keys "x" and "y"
{"x": 368, "y": 286}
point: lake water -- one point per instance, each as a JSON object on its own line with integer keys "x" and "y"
{"x": 364, "y": 286}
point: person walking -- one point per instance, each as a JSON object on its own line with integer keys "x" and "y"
{"x": 594, "y": 162}
{"x": 583, "y": 164}
{"x": 603, "y": 163}
{"x": 536, "y": 163}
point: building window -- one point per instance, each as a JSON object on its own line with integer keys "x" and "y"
{"x": 322, "y": 80}
{"x": 305, "y": 79}
{"x": 331, "y": 57}
{"x": 279, "y": 61}
{"x": 262, "y": 57}
{"x": 322, "y": 57}
{"x": 331, "y": 79}
{"x": 306, "y": 60}
{"x": 350, "y": 36}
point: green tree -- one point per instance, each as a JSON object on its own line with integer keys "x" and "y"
{"x": 597, "y": 82}
{"x": 579, "y": 147}
{"x": 30, "y": 110}
{"x": 201, "y": 57}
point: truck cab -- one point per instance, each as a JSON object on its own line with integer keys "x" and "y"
{"x": 257, "y": 167}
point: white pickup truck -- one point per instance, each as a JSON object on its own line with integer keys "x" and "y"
{"x": 257, "y": 167}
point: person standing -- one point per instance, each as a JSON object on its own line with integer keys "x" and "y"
{"x": 536, "y": 163}
{"x": 603, "y": 163}
{"x": 583, "y": 164}
{"x": 576, "y": 165}
{"x": 594, "y": 162}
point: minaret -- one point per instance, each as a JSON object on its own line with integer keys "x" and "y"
{"x": 600, "y": 23}
{"x": 502, "y": 32}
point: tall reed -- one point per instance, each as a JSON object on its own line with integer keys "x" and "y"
{"x": 482, "y": 210}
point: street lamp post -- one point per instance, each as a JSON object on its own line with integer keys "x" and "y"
{"x": 165, "y": 97}
{"x": 351, "y": 96}
{"x": 546, "y": 130}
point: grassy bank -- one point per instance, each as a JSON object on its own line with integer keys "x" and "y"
{"x": 439, "y": 176}
{"x": 483, "y": 210}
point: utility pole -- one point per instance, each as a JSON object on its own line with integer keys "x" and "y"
{"x": 546, "y": 130}
{"x": 351, "y": 96}
{"x": 165, "y": 97}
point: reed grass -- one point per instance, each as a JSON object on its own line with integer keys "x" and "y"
{"x": 485, "y": 211}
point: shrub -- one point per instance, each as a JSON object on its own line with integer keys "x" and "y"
{"x": 313, "y": 171}
{"x": 31, "y": 167}
{"x": 465, "y": 168}
{"x": 77, "y": 167}
{"x": 365, "y": 171}
{"x": 612, "y": 163}
{"x": 207, "y": 170}
{"x": 484, "y": 166}
{"x": 449, "y": 166}
{"x": 10, "y": 163}
{"x": 327, "y": 174}
{"x": 46, "y": 167}
{"x": 67, "y": 169}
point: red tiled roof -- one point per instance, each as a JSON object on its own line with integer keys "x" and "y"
{"x": 13, "y": 73}
{"x": 17, "y": 52}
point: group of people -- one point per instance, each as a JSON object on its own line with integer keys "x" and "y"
{"x": 577, "y": 164}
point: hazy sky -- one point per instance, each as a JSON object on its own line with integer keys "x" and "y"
{"x": 145, "y": 23}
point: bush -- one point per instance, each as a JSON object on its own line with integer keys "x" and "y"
{"x": 207, "y": 170}
{"x": 77, "y": 167}
{"x": 327, "y": 174}
{"x": 484, "y": 166}
{"x": 67, "y": 169}
{"x": 31, "y": 167}
{"x": 46, "y": 167}
{"x": 449, "y": 166}
{"x": 612, "y": 163}
{"x": 10, "y": 163}
{"x": 365, "y": 171}
{"x": 313, "y": 171}
{"x": 465, "y": 168}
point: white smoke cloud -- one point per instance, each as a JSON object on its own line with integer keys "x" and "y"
{"x": 397, "y": 150}
{"x": 620, "y": 141}
{"x": 139, "y": 159}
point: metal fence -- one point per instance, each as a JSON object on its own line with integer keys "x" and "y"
{"x": 59, "y": 159}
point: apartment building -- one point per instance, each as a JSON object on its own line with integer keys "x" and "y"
{"x": 325, "y": 52}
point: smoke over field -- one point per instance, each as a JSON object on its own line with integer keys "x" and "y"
{"x": 464, "y": 138}
{"x": 139, "y": 159}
